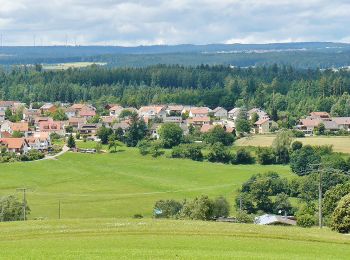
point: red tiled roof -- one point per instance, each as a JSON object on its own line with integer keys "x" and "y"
{"x": 13, "y": 143}
{"x": 21, "y": 127}
{"x": 261, "y": 121}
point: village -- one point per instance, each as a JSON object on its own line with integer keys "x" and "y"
{"x": 34, "y": 127}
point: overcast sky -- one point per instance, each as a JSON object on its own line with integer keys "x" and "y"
{"x": 118, "y": 22}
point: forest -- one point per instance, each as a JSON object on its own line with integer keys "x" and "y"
{"x": 284, "y": 91}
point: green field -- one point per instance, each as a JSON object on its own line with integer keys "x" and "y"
{"x": 120, "y": 184}
{"x": 165, "y": 239}
{"x": 340, "y": 144}
{"x": 64, "y": 66}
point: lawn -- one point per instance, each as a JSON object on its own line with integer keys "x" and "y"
{"x": 120, "y": 184}
{"x": 166, "y": 239}
{"x": 340, "y": 143}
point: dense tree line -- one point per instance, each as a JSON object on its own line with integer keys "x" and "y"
{"x": 283, "y": 91}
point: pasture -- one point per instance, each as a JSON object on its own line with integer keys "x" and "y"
{"x": 340, "y": 143}
{"x": 166, "y": 239}
{"x": 73, "y": 65}
{"x": 120, "y": 184}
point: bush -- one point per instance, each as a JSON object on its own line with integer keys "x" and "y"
{"x": 219, "y": 153}
{"x": 265, "y": 155}
{"x": 244, "y": 217}
{"x": 138, "y": 216}
{"x": 242, "y": 156}
{"x": 189, "y": 151}
{"x": 297, "y": 145}
{"x": 167, "y": 208}
{"x": 218, "y": 135}
{"x": 144, "y": 147}
{"x": 32, "y": 155}
{"x": 306, "y": 215}
{"x": 298, "y": 133}
{"x": 341, "y": 216}
{"x": 201, "y": 208}
{"x": 306, "y": 220}
{"x": 12, "y": 209}
{"x": 221, "y": 207}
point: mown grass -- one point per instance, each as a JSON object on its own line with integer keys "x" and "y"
{"x": 120, "y": 184}
{"x": 340, "y": 143}
{"x": 166, "y": 239}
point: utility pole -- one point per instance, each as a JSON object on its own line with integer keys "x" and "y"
{"x": 24, "y": 202}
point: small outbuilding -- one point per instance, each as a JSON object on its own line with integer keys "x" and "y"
{"x": 270, "y": 219}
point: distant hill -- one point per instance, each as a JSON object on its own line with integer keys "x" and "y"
{"x": 318, "y": 54}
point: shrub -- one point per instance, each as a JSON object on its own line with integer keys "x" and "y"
{"x": 167, "y": 208}
{"x": 218, "y": 135}
{"x": 297, "y": 145}
{"x": 333, "y": 196}
{"x": 306, "y": 220}
{"x": 138, "y": 216}
{"x": 242, "y": 156}
{"x": 306, "y": 215}
{"x": 265, "y": 155}
{"x": 32, "y": 155}
{"x": 12, "y": 209}
{"x": 244, "y": 217}
{"x": 221, "y": 207}
{"x": 219, "y": 153}
{"x": 298, "y": 133}
{"x": 341, "y": 216}
{"x": 190, "y": 151}
{"x": 144, "y": 147}
{"x": 201, "y": 208}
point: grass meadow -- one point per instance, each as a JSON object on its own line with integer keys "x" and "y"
{"x": 119, "y": 184}
{"x": 166, "y": 239}
{"x": 340, "y": 143}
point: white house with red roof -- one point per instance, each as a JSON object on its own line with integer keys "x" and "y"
{"x": 196, "y": 112}
{"x": 15, "y": 145}
{"x": 264, "y": 125}
{"x": 151, "y": 112}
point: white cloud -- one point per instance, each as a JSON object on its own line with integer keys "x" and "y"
{"x": 138, "y": 22}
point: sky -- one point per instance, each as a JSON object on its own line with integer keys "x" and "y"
{"x": 132, "y": 23}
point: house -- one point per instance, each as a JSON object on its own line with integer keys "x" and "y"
{"x": 15, "y": 145}
{"x": 12, "y": 105}
{"x": 89, "y": 129}
{"x": 269, "y": 219}
{"x": 320, "y": 115}
{"x": 52, "y": 127}
{"x": 233, "y": 113}
{"x": 11, "y": 127}
{"x": 342, "y": 122}
{"x": 174, "y": 110}
{"x": 108, "y": 120}
{"x": 173, "y": 119}
{"x": 198, "y": 121}
{"x": 308, "y": 125}
{"x": 261, "y": 113}
{"x": 75, "y": 122}
{"x": 109, "y": 106}
{"x": 70, "y": 112}
{"x": 87, "y": 113}
{"x": 124, "y": 125}
{"x": 220, "y": 112}
{"x": 39, "y": 141}
{"x": 48, "y": 108}
{"x": 199, "y": 112}
{"x": 152, "y": 112}
{"x": 2, "y": 116}
{"x": 29, "y": 115}
{"x": 264, "y": 125}
{"x": 115, "y": 110}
